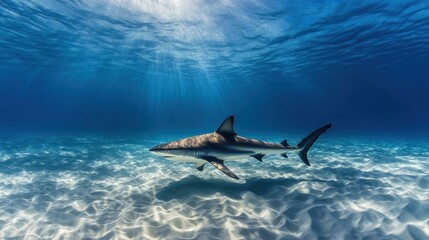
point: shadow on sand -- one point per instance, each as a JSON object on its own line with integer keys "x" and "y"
{"x": 193, "y": 185}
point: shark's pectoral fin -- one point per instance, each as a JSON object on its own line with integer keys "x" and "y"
{"x": 258, "y": 156}
{"x": 217, "y": 163}
{"x": 221, "y": 167}
{"x": 200, "y": 166}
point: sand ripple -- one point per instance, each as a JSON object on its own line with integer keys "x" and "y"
{"x": 91, "y": 188}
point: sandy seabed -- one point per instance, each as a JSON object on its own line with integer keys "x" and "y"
{"x": 99, "y": 188}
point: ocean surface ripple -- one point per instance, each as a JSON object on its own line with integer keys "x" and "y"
{"x": 258, "y": 37}
{"x": 98, "y": 188}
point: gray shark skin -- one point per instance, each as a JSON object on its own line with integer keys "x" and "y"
{"x": 225, "y": 145}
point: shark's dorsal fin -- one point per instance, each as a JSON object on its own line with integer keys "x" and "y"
{"x": 285, "y": 143}
{"x": 227, "y": 127}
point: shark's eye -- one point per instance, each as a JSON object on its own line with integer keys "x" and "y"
{"x": 167, "y": 151}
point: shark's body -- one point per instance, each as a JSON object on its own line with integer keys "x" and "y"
{"x": 225, "y": 144}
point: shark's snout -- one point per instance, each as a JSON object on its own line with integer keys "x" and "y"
{"x": 156, "y": 148}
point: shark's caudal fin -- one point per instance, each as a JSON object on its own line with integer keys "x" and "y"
{"x": 308, "y": 141}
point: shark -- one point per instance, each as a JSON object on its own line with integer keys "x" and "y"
{"x": 225, "y": 145}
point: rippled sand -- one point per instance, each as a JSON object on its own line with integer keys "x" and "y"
{"x": 92, "y": 188}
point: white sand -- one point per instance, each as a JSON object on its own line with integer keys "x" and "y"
{"x": 89, "y": 188}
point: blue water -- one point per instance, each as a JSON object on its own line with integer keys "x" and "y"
{"x": 87, "y": 87}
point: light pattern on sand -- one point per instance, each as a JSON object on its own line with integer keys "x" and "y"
{"x": 75, "y": 188}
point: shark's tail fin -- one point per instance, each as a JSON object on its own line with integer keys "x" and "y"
{"x": 308, "y": 141}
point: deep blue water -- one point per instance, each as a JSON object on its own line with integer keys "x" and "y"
{"x": 87, "y": 87}
{"x": 139, "y": 66}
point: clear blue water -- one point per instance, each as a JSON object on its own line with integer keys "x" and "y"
{"x": 87, "y": 87}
